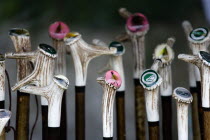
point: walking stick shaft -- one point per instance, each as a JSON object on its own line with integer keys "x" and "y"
{"x": 200, "y": 110}
{"x": 54, "y": 133}
{"x": 195, "y": 116}
{"x": 167, "y": 117}
{"x": 63, "y": 118}
{"x": 80, "y": 112}
{"x": 44, "y": 122}
{"x": 22, "y": 120}
{"x": 120, "y": 103}
{"x": 140, "y": 110}
{"x": 2, "y": 104}
{"x": 153, "y": 130}
{"x": 206, "y": 118}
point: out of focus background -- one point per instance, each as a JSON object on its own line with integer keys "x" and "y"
{"x": 100, "y": 19}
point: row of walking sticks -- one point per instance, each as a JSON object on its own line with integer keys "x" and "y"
{"x": 43, "y": 72}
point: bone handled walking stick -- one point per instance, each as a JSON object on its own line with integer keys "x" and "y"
{"x": 195, "y": 90}
{"x": 82, "y": 54}
{"x": 21, "y": 40}
{"x": 4, "y": 118}
{"x": 2, "y": 82}
{"x": 137, "y": 26}
{"x": 53, "y": 93}
{"x": 166, "y": 54}
{"x": 151, "y": 81}
{"x": 116, "y": 63}
{"x": 199, "y": 40}
{"x": 202, "y": 61}
{"x": 57, "y": 31}
{"x": 110, "y": 83}
{"x": 44, "y": 61}
{"x": 184, "y": 98}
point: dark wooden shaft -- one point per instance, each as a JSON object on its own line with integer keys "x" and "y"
{"x": 120, "y": 104}
{"x": 63, "y": 118}
{"x": 80, "y": 112}
{"x": 3, "y": 136}
{"x": 22, "y": 116}
{"x": 44, "y": 122}
{"x": 200, "y": 110}
{"x": 167, "y": 117}
{"x": 53, "y": 133}
{"x": 195, "y": 116}
{"x": 154, "y": 130}
{"x": 2, "y": 104}
{"x": 139, "y": 110}
{"x": 206, "y": 121}
{"x": 108, "y": 138}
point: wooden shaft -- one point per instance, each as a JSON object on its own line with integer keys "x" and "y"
{"x": 139, "y": 110}
{"x": 167, "y": 117}
{"x": 195, "y": 116}
{"x": 206, "y": 120}
{"x": 63, "y": 118}
{"x": 2, "y": 104}
{"x": 80, "y": 112}
{"x": 200, "y": 110}
{"x": 153, "y": 130}
{"x": 108, "y": 138}
{"x": 54, "y": 133}
{"x": 44, "y": 122}
{"x": 3, "y": 136}
{"x": 22, "y": 116}
{"x": 120, "y": 104}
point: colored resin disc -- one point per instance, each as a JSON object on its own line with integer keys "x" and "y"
{"x": 113, "y": 78}
{"x": 62, "y": 81}
{"x": 150, "y": 79}
{"x": 58, "y": 30}
{"x": 72, "y": 36}
{"x": 137, "y": 23}
{"x": 199, "y": 34}
{"x": 120, "y": 48}
{"x": 5, "y": 113}
{"x": 47, "y": 48}
{"x": 164, "y": 52}
{"x": 182, "y": 95}
{"x": 18, "y": 31}
{"x": 205, "y": 57}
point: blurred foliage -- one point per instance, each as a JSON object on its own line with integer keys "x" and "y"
{"x": 94, "y": 12}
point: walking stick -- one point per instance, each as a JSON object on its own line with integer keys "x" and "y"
{"x": 53, "y": 93}
{"x": 2, "y": 82}
{"x": 82, "y": 54}
{"x": 110, "y": 83}
{"x": 166, "y": 54}
{"x": 151, "y": 81}
{"x": 184, "y": 98}
{"x": 4, "y": 118}
{"x": 57, "y": 32}
{"x": 202, "y": 62}
{"x": 21, "y": 40}
{"x": 199, "y": 40}
{"x": 44, "y": 61}
{"x": 195, "y": 90}
{"x": 137, "y": 26}
{"x": 116, "y": 63}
